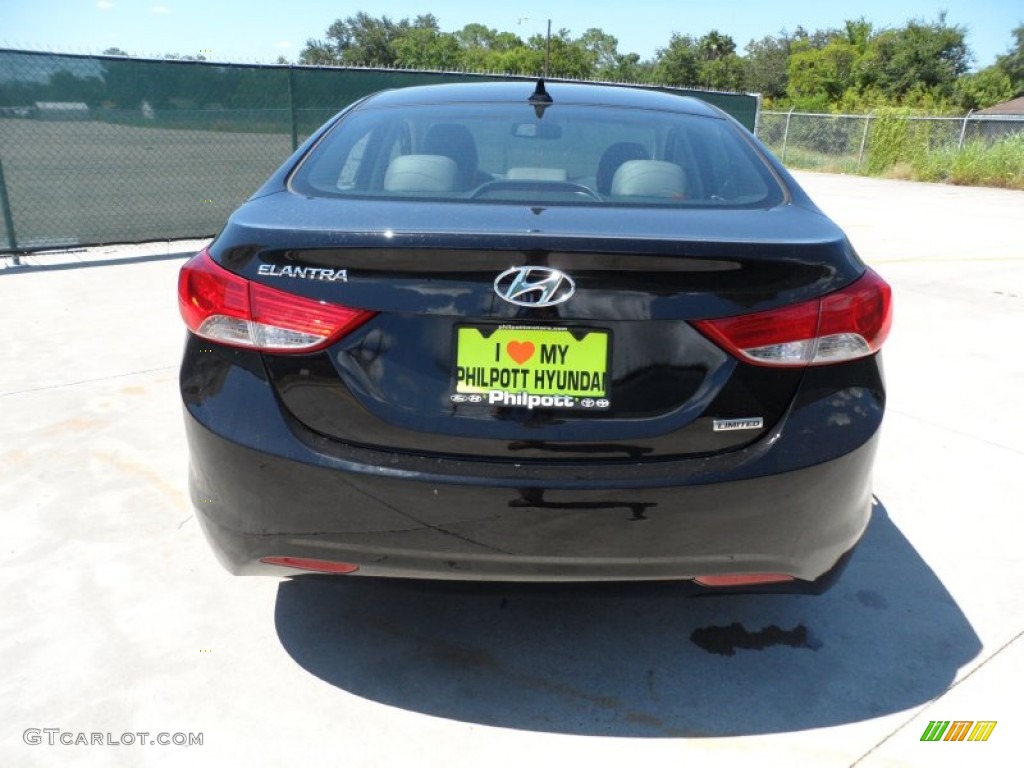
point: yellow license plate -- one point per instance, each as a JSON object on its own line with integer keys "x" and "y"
{"x": 532, "y": 367}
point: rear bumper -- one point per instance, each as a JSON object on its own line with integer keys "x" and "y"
{"x": 254, "y": 505}
{"x": 795, "y": 502}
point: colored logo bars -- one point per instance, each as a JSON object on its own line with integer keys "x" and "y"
{"x": 958, "y": 730}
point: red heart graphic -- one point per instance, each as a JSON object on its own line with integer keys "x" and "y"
{"x": 520, "y": 351}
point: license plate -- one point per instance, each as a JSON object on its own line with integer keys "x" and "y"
{"x": 531, "y": 367}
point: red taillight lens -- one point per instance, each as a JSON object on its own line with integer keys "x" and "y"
{"x": 222, "y": 306}
{"x": 742, "y": 579}
{"x": 311, "y": 564}
{"x": 856, "y": 318}
{"x": 850, "y": 323}
{"x": 782, "y": 336}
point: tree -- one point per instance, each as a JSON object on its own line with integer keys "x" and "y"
{"x": 767, "y": 66}
{"x": 424, "y": 46}
{"x": 602, "y": 50}
{"x": 481, "y": 48}
{"x": 629, "y": 69}
{"x": 819, "y": 77}
{"x": 725, "y": 73}
{"x": 678, "y": 64}
{"x": 519, "y": 60}
{"x": 859, "y": 34}
{"x": 985, "y": 88}
{"x": 319, "y": 53}
{"x": 819, "y": 38}
{"x": 360, "y": 40}
{"x": 1012, "y": 64}
{"x": 922, "y": 62}
{"x": 719, "y": 65}
{"x": 923, "y": 57}
{"x": 714, "y": 45}
{"x": 370, "y": 41}
{"x": 425, "y": 21}
{"x": 569, "y": 58}
{"x": 476, "y": 36}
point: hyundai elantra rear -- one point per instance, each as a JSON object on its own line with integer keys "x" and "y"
{"x": 507, "y": 332}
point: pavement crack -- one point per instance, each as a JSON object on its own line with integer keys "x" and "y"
{"x": 955, "y": 431}
{"x": 87, "y": 381}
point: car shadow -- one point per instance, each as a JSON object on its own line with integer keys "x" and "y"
{"x": 639, "y": 660}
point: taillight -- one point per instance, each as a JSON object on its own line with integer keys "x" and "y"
{"x": 853, "y": 322}
{"x": 222, "y": 306}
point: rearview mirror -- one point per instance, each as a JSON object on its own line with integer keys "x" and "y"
{"x": 537, "y": 130}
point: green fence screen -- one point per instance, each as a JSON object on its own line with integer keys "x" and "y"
{"x": 99, "y": 149}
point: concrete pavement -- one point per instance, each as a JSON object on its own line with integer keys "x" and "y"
{"x": 116, "y": 619}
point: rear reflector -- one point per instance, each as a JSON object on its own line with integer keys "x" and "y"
{"x": 853, "y": 322}
{"x": 741, "y": 579}
{"x": 310, "y": 564}
{"x": 222, "y": 306}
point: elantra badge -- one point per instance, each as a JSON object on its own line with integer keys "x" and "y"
{"x": 308, "y": 273}
{"x": 534, "y": 286}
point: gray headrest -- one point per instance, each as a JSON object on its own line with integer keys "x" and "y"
{"x": 421, "y": 173}
{"x": 649, "y": 178}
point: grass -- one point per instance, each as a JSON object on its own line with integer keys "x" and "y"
{"x": 810, "y": 160}
{"x": 978, "y": 163}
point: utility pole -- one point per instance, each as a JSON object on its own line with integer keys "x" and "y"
{"x": 547, "y": 46}
{"x": 547, "y": 53}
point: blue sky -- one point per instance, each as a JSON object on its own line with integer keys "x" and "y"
{"x": 253, "y": 31}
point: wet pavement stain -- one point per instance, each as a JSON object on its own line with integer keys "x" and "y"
{"x": 871, "y": 599}
{"x": 725, "y": 640}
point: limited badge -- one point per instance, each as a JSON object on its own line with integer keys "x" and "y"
{"x": 731, "y": 425}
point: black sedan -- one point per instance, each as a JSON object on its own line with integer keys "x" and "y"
{"x": 499, "y": 331}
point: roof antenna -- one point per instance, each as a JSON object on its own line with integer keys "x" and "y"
{"x": 540, "y": 98}
{"x": 540, "y": 94}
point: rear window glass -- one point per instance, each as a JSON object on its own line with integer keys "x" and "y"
{"x": 568, "y": 154}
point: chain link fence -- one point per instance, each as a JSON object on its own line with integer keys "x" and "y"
{"x": 875, "y": 143}
{"x": 99, "y": 149}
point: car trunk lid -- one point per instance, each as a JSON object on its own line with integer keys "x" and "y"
{"x": 650, "y": 387}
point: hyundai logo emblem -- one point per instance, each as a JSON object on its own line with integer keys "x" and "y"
{"x": 534, "y": 286}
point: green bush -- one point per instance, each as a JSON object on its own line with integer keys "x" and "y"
{"x": 888, "y": 140}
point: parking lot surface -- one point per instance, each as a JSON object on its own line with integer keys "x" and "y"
{"x": 116, "y": 620}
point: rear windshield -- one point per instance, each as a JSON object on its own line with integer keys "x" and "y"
{"x": 566, "y": 154}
